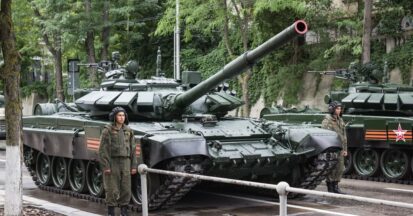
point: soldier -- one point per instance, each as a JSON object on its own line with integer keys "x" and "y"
{"x": 118, "y": 160}
{"x": 334, "y": 122}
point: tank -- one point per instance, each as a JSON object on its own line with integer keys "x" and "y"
{"x": 178, "y": 126}
{"x": 379, "y": 124}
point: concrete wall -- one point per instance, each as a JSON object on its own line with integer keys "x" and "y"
{"x": 29, "y": 103}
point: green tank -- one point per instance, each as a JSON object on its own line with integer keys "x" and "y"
{"x": 179, "y": 126}
{"x": 379, "y": 124}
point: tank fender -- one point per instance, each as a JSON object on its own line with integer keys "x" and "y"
{"x": 61, "y": 143}
{"x": 314, "y": 138}
{"x": 161, "y": 147}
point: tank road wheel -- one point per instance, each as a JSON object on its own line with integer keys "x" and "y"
{"x": 394, "y": 164}
{"x": 94, "y": 179}
{"x": 43, "y": 169}
{"x": 77, "y": 175}
{"x": 411, "y": 164}
{"x": 366, "y": 162}
{"x": 59, "y": 172}
{"x": 348, "y": 163}
{"x": 153, "y": 183}
{"x": 136, "y": 189}
{"x": 29, "y": 158}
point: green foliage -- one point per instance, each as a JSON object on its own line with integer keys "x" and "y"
{"x": 345, "y": 44}
{"x": 139, "y": 27}
{"x": 37, "y": 87}
{"x": 401, "y": 57}
{"x": 276, "y": 84}
{"x": 390, "y": 14}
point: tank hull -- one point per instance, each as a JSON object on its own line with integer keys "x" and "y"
{"x": 376, "y": 152}
{"x": 234, "y": 148}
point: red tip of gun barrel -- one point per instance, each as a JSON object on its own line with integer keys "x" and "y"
{"x": 300, "y": 26}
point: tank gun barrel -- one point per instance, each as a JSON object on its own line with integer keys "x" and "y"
{"x": 238, "y": 65}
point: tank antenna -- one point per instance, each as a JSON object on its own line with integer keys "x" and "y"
{"x": 158, "y": 62}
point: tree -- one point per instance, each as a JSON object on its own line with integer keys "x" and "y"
{"x": 10, "y": 74}
{"x": 105, "y": 31}
{"x": 90, "y": 44}
{"x": 52, "y": 37}
{"x": 367, "y": 30}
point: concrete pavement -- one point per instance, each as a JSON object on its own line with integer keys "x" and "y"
{"x": 30, "y": 201}
{"x": 2, "y": 144}
{"x": 35, "y": 202}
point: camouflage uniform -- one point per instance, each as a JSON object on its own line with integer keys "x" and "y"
{"x": 117, "y": 153}
{"x": 338, "y": 126}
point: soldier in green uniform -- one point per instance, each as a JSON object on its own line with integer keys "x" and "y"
{"x": 118, "y": 160}
{"x": 334, "y": 122}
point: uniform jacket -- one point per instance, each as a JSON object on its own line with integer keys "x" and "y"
{"x": 116, "y": 142}
{"x": 338, "y": 126}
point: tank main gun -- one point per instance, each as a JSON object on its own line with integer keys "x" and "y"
{"x": 238, "y": 65}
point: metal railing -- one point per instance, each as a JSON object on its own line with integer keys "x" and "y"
{"x": 282, "y": 188}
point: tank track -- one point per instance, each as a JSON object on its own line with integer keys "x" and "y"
{"x": 317, "y": 171}
{"x": 172, "y": 190}
{"x": 379, "y": 179}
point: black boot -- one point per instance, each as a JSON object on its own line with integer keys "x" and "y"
{"x": 330, "y": 187}
{"x": 124, "y": 210}
{"x": 111, "y": 211}
{"x": 336, "y": 188}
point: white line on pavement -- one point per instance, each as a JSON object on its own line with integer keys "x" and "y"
{"x": 1, "y": 160}
{"x": 398, "y": 189}
{"x": 276, "y": 203}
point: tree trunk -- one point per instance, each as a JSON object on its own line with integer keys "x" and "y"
{"x": 10, "y": 73}
{"x": 226, "y": 30}
{"x": 90, "y": 47}
{"x": 58, "y": 70}
{"x": 367, "y": 31}
{"x": 245, "y": 93}
{"x": 105, "y": 31}
{"x": 243, "y": 20}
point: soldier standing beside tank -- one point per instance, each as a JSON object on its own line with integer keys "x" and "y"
{"x": 118, "y": 160}
{"x": 333, "y": 121}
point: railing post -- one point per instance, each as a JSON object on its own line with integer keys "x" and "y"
{"x": 144, "y": 189}
{"x": 282, "y": 192}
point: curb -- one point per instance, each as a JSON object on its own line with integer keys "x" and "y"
{"x": 53, "y": 206}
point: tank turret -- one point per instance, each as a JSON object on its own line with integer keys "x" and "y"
{"x": 163, "y": 98}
